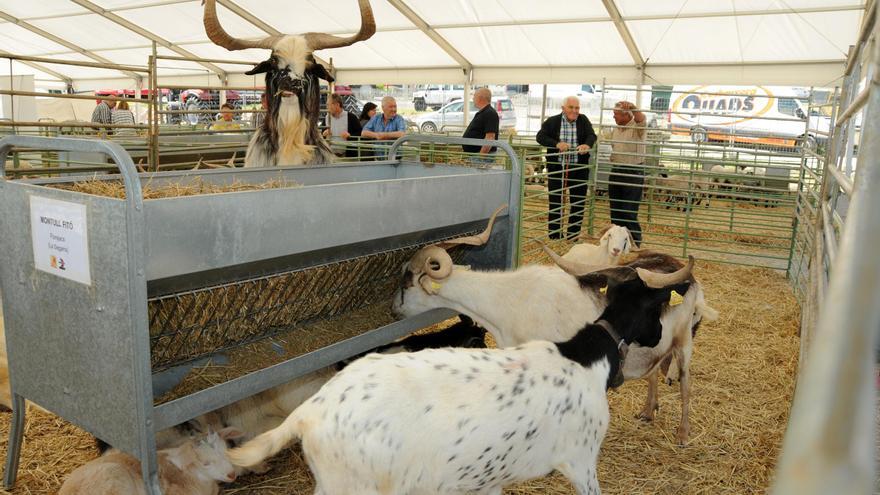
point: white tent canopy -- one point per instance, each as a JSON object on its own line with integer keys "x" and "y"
{"x": 786, "y": 42}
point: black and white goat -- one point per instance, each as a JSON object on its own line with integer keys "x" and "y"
{"x": 542, "y": 302}
{"x": 289, "y": 134}
{"x": 455, "y": 421}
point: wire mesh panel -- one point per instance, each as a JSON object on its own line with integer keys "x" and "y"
{"x": 194, "y": 324}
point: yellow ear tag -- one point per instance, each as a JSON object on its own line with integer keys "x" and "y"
{"x": 603, "y": 290}
{"x": 436, "y": 286}
{"x": 675, "y": 298}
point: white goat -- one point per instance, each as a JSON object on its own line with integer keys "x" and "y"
{"x": 458, "y": 421}
{"x": 538, "y": 302}
{"x": 614, "y": 244}
{"x": 193, "y": 468}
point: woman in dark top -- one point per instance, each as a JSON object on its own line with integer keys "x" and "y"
{"x": 366, "y": 114}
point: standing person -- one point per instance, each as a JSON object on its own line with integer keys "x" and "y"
{"x": 627, "y": 178}
{"x": 258, "y": 118}
{"x": 386, "y": 126}
{"x": 225, "y": 123}
{"x": 483, "y": 126}
{"x": 123, "y": 116}
{"x": 103, "y": 113}
{"x": 570, "y": 130}
{"x": 341, "y": 125}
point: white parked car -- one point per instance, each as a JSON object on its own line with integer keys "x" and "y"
{"x": 451, "y": 116}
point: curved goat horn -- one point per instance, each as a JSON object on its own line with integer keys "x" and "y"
{"x": 568, "y": 266}
{"x": 424, "y": 262}
{"x": 475, "y": 240}
{"x": 318, "y": 41}
{"x": 220, "y": 37}
{"x": 659, "y": 280}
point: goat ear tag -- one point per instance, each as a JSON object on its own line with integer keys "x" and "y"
{"x": 435, "y": 285}
{"x": 675, "y": 298}
{"x": 603, "y": 290}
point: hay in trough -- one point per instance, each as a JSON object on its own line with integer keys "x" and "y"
{"x": 192, "y": 187}
{"x": 290, "y": 343}
{"x": 743, "y": 371}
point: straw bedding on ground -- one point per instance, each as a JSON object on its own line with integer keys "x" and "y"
{"x": 743, "y": 370}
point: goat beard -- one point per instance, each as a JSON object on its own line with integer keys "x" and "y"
{"x": 292, "y": 133}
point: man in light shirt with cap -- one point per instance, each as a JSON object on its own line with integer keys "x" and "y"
{"x": 627, "y": 177}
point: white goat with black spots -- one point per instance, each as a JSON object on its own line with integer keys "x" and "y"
{"x": 457, "y": 421}
{"x": 541, "y": 302}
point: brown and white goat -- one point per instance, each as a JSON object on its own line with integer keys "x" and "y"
{"x": 193, "y": 468}
{"x": 289, "y": 134}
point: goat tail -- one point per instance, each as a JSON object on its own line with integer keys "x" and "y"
{"x": 267, "y": 444}
{"x": 708, "y": 313}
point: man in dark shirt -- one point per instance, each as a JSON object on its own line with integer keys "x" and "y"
{"x": 483, "y": 126}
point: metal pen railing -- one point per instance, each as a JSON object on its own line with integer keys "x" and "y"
{"x": 829, "y": 446}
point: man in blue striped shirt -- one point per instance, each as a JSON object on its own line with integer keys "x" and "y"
{"x": 385, "y": 126}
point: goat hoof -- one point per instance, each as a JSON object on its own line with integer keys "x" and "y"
{"x": 682, "y": 437}
{"x": 645, "y": 418}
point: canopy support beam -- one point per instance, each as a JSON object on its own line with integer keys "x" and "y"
{"x": 110, "y": 16}
{"x": 51, "y": 37}
{"x": 410, "y": 14}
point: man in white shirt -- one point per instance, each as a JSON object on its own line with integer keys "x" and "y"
{"x": 341, "y": 126}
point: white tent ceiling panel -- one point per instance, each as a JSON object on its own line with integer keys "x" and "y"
{"x": 824, "y": 36}
{"x": 503, "y": 11}
{"x": 645, "y": 8}
{"x": 139, "y": 57}
{"x": 175, "y": 22}
{"x": 592, "y": 43}
{"x": 78, "y": 72}
{"x": 717, "y": 41}
{"x": 330, "y": 16}
{"x": 660, "y": 42}
{"x": 390, "y": 49}
{"x": 788, "y": 37}
{"x": 125, "y": 4}
{"x": 210, "y": 50}
{"x": 24, "y": 9}
{"x": 22, "y": 69}
{"x": 18, "y": 40}
{"x": 91, "y": 32}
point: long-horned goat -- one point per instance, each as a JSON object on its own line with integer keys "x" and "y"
{"x": 193, "y": 468}
{"x": 457, "y": 421}
{"x": 542, "y": 302}
{"x": 614, "y": 244}
{"x": 289, "y": 134}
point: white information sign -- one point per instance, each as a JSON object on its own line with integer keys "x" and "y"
{"x": 61, "y": 239}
